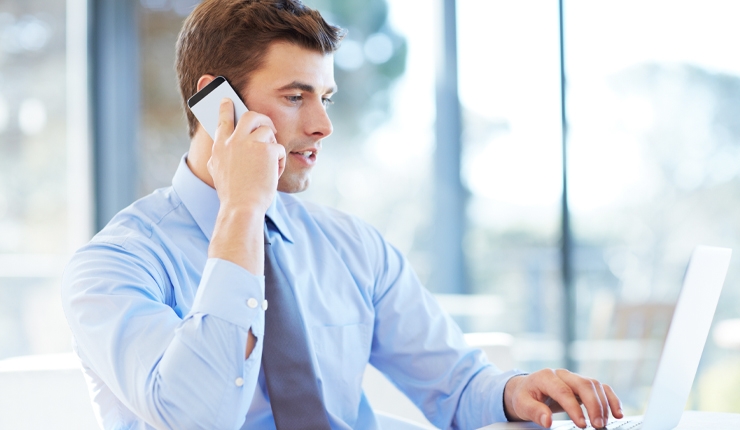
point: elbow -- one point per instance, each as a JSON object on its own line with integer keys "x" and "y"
{"x": 196, "y": 407}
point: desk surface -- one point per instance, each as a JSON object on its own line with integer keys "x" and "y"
{"x": 691, "y": 420}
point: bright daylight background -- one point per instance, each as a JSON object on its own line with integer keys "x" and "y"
{"x": 653, "y": 156}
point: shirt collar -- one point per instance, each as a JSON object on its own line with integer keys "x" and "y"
{"x": 202, "y": 202}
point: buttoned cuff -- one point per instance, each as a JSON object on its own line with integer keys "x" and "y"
{"x": 228, "y": 291}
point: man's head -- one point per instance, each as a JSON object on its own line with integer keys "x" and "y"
{"x": 277, "y": 56}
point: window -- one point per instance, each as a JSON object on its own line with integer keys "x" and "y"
{"x": 509, "y": 62}
{"x": 654, "y": 147}
{"x": 652, "y": 161}
{"x": 44, "y": 171}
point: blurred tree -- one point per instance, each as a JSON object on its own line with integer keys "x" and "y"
{"x": 371, "y": 57}
{"x": 692, "y": 126}
{"x": 718, "y": 387}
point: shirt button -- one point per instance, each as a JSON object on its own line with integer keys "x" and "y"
{"x": 264, "y": 305}
{"x": 252, "y": 303}
{"x": 239, "y": 382}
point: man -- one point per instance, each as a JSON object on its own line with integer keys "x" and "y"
{"x": 167, "y": 305}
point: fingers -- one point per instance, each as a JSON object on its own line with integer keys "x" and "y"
{"x": 263, "y": 134}
{"x": 588, "y": 393}
{"x": 247, "y": 124}
{"x": 251, "y": 121}
{"x": 281, "y": 160}
{"x": 225, "y": 120}
{"x": 597, "y": 398}
{"x": 531, "y": 409}
{"x": 614, "y": 404}
{"x": 603, "y": 403}
{"x": 261, "y": 129}
{"x": 558, "y": 387}
{"x": 536, "y": 396}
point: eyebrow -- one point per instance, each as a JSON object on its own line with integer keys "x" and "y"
{"x": 296, "y": 85}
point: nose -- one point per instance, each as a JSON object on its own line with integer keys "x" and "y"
{"x": 319, "y": 125}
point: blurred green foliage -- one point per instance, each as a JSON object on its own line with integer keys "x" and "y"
{"x": 368, "y": 88}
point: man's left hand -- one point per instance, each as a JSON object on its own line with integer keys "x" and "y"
{"x": 536, "y": 396}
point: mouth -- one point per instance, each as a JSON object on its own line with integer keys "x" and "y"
{"x": 307, "y": 156}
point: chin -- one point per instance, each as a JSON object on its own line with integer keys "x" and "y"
{"x": 292, "y": 184}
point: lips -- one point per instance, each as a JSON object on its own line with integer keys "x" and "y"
{"x": 306, "y": 152}
{"x": 305, "y": 156}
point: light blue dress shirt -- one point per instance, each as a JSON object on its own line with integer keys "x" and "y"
{"x": 161, "y": 329}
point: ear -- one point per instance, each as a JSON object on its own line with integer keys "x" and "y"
{"x": 204, "y": 80}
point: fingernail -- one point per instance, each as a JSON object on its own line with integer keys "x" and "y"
{"x": 598, "y": 423}
{"x": 543, "y": 420}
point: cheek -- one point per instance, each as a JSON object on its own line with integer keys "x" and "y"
{"x": 283, "y": 119}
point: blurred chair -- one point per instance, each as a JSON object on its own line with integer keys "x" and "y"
{"x": 648, "y": 322}
{"x": 44, "y": 392}
{"x": 624, "y": 342}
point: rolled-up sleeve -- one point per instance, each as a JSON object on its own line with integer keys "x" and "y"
{"x": 172, "y": 371}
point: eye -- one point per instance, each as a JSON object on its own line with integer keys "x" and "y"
{"x": 294, "y": 99}
{"x": 327, "y": 101}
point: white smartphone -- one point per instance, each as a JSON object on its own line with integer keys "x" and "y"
{"x": 205, "y": 104}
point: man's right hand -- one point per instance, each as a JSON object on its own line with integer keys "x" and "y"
{"x": 246, "y": 161}
{"x": 245, "y": 165}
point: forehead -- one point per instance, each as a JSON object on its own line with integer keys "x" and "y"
{"x": 287, "y": 62}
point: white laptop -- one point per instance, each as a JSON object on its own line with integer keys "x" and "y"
{"x": 682, "y": 351}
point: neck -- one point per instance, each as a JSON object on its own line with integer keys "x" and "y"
{"x": 200, "y": 152}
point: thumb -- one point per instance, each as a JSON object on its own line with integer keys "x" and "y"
{"x": 531, "y": 409}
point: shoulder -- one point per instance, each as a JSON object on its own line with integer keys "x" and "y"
{"x": 141, "y": 218}
{"x": 131, "y": 243}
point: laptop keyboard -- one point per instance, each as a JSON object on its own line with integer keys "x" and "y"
{"x": 613, "y": 425}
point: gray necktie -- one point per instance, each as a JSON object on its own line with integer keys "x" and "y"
{"x": 294, "y": 393}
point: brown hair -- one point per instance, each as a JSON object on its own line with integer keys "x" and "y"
{"x": 230, "y": 38}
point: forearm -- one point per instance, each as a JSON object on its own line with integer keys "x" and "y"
{"x": 201, "y": 382}
{"x": 244, "y": 167}
{"x": 238, "y": 237}
{"x": 220, "y": 395}
{"x": 172, "y": 371}
{"x": 202, "y": 378}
